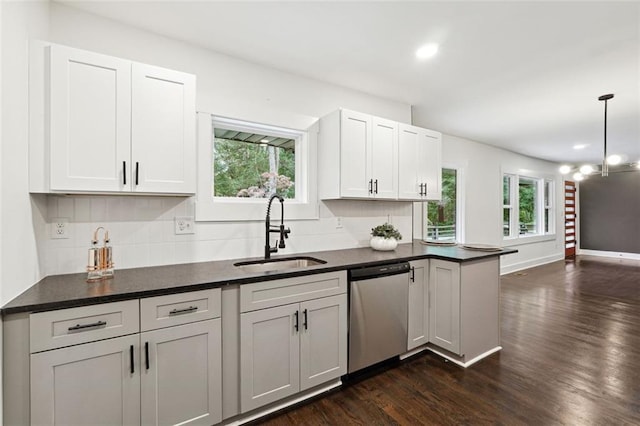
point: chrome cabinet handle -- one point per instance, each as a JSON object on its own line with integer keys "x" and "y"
{"x": 370, "y": 186}
{"x": 376, "y": 185}
{"x": 124, "y": 172}
{"x": 137, "y": 167}
{"x": 83, "y": 326}
{"x": 183, "y": 311}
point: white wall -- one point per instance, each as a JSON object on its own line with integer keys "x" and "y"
{"x": 483, "y": 166}
{"x": 20, "y": 217}
{"x": 141, "y": 228}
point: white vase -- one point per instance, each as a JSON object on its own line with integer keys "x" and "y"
{"x": 383, "y": 244}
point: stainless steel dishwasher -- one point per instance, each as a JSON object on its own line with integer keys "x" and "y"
{"x": 377, "y": 313}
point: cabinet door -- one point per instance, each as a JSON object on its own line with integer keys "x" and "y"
{"x": 408, "y": 163}
{"x": 90, "y": 384}
{"x": 384, "y": 158}
{"x": 430, "y": 171}
{"x": 269, "y": 355}
{"x": 355, "y": 154}
{"x": 181, "y": 374}
{"x": 444, "y": 288}
{"x": 418, "y": 326}
{"x": 90, "y": 121}
{"x": 163, "y": 130}
{"x": 323, "y": 340}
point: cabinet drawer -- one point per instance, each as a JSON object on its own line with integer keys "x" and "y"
{"x": 65, "y": 327}
{"x": 268, "y": 294}
{"x": 174, "y": 309}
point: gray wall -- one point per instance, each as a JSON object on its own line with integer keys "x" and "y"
{"x": 610, "y": 212}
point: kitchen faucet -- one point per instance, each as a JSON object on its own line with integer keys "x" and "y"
{"x": 284, "y": 232}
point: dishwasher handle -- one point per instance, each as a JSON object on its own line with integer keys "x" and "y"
{"x": 379, "y": 271}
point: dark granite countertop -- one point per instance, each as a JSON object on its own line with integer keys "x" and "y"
{"x": 70, "y": 290}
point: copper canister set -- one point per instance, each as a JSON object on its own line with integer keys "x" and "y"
{"x": 100, "y": 265}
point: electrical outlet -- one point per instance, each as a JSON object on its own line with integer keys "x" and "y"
{"x": 184, "y": 225}
{"x": 338, "y": 222}
{"x": 60, "y": 228}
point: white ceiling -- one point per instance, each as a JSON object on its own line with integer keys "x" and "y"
{"x": 520, "y": 75}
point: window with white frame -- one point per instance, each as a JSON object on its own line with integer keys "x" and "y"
{"x": 242, "y": 163}
{"x": 527, "y": 206}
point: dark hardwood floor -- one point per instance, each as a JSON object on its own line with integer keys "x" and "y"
{"x": 571, "y": 355}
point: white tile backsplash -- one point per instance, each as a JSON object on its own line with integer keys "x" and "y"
{"x": 142, "y": 232}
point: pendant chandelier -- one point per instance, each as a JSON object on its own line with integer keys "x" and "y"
{"x": 607, "y": 160}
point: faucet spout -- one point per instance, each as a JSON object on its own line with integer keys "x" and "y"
{"x": 284, "y": 232}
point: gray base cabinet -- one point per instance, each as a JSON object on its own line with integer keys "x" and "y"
{"x": 166, "y": 372}
{"x": 465, "y": 308}
{"x": 181, "y": 371}
{"x": 292, "y": 347}
{"x": 92, "y": 384}
{"x": 444, "y": 287}
{"x": 418, "y": 323}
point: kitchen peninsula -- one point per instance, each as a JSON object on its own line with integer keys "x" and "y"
{"x": 205, "y": 318}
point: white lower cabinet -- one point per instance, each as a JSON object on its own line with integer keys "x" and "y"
{"x": 91, "y": 384}
{"x": 290, "y": 348}
{"x": 418, "y": 324}
{"x": 181, "y": 375}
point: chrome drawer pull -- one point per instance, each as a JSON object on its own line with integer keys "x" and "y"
{"x": 83, "y": 326}
{"x": 183, "y": 311}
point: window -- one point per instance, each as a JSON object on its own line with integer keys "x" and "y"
{"x": 441, "y": 215}
{"x": 253, "y": 165}
{"x": 242, "y": 163}
{"x": 527, "y": 206}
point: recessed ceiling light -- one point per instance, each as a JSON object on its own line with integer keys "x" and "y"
{"x": 580, "y": 146}
{"x": 564, "y": 169}
{"x": 427, "y": 51}
{"x": 578, "y": 176}
{"x": 264, "y": 140}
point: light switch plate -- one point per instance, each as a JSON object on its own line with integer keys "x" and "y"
{"x": 184, "y": 225}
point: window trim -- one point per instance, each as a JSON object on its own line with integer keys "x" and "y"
{"x": 210, "y": 208}
{"x": 540, "y": 179}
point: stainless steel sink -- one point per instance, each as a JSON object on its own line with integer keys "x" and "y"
{"x": 281, "y": 264}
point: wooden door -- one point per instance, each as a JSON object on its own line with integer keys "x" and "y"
{"x": 355, "y": 154}
{"x": 444, "y": 310}
{"x": 269, "y": 355}
{"x": 182, "y": 374}
{"x": 91, "y": 384}
{"x": 570, "y": 241}
{"x": 163, "y": 126}
{"x": 418, "y": 322}
{"x": 384, "y": 158}
{"x": 90, "y": 121}
{"x": 323, "y": 340}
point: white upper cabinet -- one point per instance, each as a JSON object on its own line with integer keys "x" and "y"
{"x": 163, "y": 130}
{"x": 419, "y": 159}
{"x": 367, "y": 157}
{"x": 101, "y": 124}
{"x": 90, "y": 120}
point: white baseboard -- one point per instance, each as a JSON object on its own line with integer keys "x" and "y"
{"x": 613, "y": 254}
{"x": 239, "y": 420}
{"x": 507, "y": 269}
{"x": 468, "y": 363}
